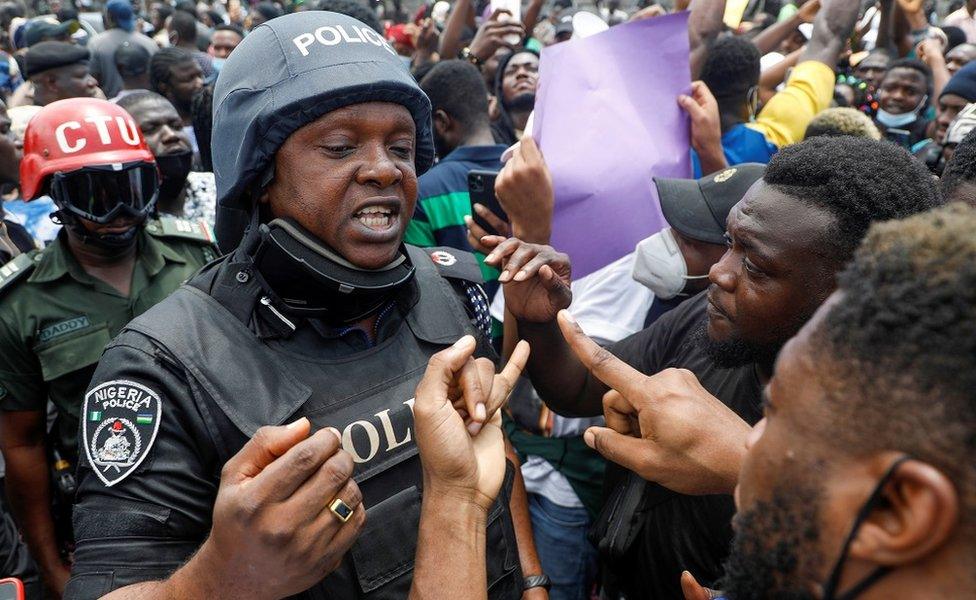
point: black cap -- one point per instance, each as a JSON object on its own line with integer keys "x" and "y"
{"x": 51, "y": 55}
{"x": 698, "y": 208}
{"x": 131, "y": 59}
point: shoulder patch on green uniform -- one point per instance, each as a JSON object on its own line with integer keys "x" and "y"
{"x": 455, "y": 264}
{"x": 20, "y": 266}
{"x": 196, "y": 230}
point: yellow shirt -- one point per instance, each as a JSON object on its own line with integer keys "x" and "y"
{"x": 784, "y": 119}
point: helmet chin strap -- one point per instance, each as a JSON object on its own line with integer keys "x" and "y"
{"x": 114, "y": 241}
{"x": 312, "y": 280}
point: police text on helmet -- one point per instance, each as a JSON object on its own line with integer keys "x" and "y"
{"x": 331, "y": 35}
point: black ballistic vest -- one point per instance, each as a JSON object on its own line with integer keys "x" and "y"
{"x": 368, "y": 396}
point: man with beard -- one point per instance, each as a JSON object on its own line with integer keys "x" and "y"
{"x": 174, "y": 75}
{"x": 515, "y": 84}
{"x": 59, "y": 307}
{"x": 786, "y": 240}
{"x": 858, "y": 479}
{"x": 182, "y": 192}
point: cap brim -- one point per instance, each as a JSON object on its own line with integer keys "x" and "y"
{"x": 686, "y": 211}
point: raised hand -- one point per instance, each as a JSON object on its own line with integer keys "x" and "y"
{"x": 457, "y": 462}
{"x": 536, "y": 278}
{"x": 666, "y": 427}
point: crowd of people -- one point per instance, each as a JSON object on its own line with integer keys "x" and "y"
{"x": 283, "y": 310}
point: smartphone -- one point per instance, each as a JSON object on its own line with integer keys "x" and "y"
{"x": 11, "y": 588}
{"x": 481, "y": 188}
{"x": 901, "y": 137}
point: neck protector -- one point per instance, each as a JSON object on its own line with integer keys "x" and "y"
{"x": 312, "y": 280}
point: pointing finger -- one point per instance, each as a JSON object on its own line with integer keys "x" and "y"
{"x": 605, "y": 366}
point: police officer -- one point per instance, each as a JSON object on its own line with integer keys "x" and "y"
{"x": 59, "y": 307}
{"x": 321, "y": 317}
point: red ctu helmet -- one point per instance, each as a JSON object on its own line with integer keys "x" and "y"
{"x": 72, "y": 134}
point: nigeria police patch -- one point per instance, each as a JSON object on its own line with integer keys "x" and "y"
{"x": 120, "y": 420}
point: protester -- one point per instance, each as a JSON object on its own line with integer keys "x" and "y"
{"x": 464, "y": 142}
{"x": 516, "y": 80}
{"x": 203, "y": 32}
{"x": 182, "y": 28}
{"x": 817, "y": 199}
{"x": 329, "y": 185}
{"x": 959, "y": 57}
{"x": 62, "y": 305}
{"x": 958, "y": 181}
{"x": 872, "y": 68}
{"x": 674, "y": 263}
{"x": 843, "y": 416}
{"x": 174, "y": 75}
{"x": 182, "y": 193}
{"x": 120, "y": 23}
{"x": 842, "y": 121}
{"x": 132, "y": 65}
{"x": 904, "y": 97}
{"x": 158, "y": 13}
{"x": 965, "y": 20}
{"x": 262, "y": 12}
{"x": 731, "y": 73}
{"x": 59, "y": 71}
{"x": 46, "y": 29}
{"x": 223, "y": 41}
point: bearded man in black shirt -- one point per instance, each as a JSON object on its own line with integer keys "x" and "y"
{"x": 787, "y": 240}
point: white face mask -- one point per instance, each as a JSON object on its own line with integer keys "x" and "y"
{"x": 659, "y": 266}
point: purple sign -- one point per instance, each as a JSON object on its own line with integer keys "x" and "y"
{"x": 607, "y": 120}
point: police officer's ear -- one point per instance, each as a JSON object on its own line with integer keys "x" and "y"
{"x": 264, "y": 183}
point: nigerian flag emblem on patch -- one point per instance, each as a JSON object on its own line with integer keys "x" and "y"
{"x": 95, "y": 415}
{"x": 144, "y": 419}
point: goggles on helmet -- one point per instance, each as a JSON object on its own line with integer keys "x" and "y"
{"x": 103, "y": 193}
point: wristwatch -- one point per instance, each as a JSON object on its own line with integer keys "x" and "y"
{"x": 533, "y": 581}
{"x": 465, "y": 54}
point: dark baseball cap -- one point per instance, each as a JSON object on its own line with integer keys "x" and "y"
{"x": 698, "y": 208}
{"x": 38, "y": 30}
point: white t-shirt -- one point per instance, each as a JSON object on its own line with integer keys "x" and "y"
{"x": 609, "y": 306}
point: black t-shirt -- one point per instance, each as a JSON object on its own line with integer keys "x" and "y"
{"x": 683, "y": 532}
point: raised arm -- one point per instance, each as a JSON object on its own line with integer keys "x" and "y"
{"x": 773, "y": 36}
{"x": 704, "y": 25}
{"x": 461, "y": 13}
{"x": 831, "y": 29}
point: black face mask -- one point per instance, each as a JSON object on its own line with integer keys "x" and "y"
{"x": 173, "y": 169}
{"x": 830, "y": 588}
{"x": 113, "y": 241}
{"x": 311, "y": 280}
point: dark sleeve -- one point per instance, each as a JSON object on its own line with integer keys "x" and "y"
{"x": 653, "y": 349}
{"x": 143, "y": 525}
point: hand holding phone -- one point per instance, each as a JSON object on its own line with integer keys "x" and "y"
{"x": 481, "y": 189}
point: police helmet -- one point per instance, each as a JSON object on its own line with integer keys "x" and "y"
{"x": 287, "y": 73}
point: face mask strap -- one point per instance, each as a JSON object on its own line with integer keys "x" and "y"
{"x": 830, "y": 588}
